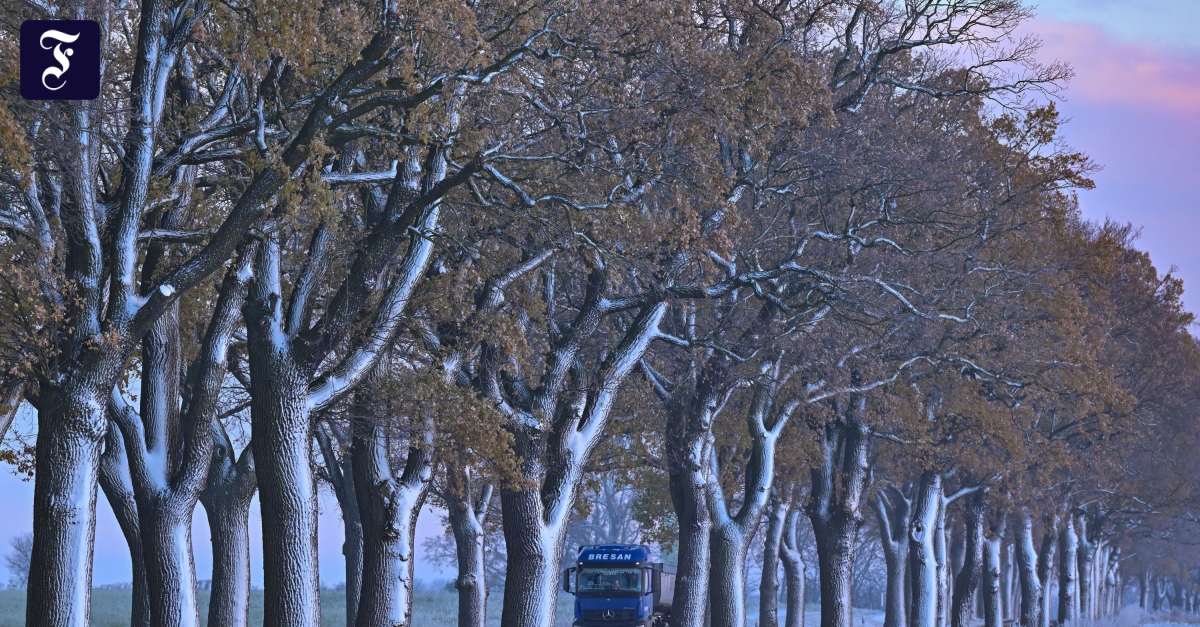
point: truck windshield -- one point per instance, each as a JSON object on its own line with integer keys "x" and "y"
{"x": 603, "y": 581}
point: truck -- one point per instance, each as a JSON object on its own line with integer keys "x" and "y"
{"x": 617, "y": 585}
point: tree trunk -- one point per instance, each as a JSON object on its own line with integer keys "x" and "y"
{"x": 942, "y": 561}
{"x": 229, "y": 600}
{"x": 922, "y": 551}
{"x": 836, "y": 513}
{"x": 992, "y": 567}
{"x": 339, "y": 472}
{"x": 70, "y": 439}
{"x": 1006, "y": 580}
{"x": 226, "y": 498}
{"x": 118, "y": 489}
{"x": 1027, "y": 566}
{"x": 282, "y": 436}
{"x": 1086, "y": 555}
{"x": 892, "y": 511}
{"x": 690, "y": 499}
{"x": 688, "y": 451}
{"x": 388, "y": 507}
{"x": 793, "y": 569}
{"x": 534, "y": 556}
{"x": 733, "y": 532}
{"x": 768, "y": 587}
{"x": 1046, "y": 568}
{"x": 554, "y": 438}
{"x": 727, "y": 593}
{"x": 466, "y": 523}
{"x": 968, "y": 579}
{"x": 1068, "y": 574}
{"x": 170, "y": 567}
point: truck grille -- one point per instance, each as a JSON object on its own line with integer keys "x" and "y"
{"x": 609, "y": 614}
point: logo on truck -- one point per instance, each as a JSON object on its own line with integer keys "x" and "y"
{"x": 612, "y": 557}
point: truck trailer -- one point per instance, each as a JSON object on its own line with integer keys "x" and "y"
{"x": 617, "y": 585}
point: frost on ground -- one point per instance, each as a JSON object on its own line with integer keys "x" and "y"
{"x": 110, "y": 608}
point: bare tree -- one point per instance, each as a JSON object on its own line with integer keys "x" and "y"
{"x": 17, "y": 560}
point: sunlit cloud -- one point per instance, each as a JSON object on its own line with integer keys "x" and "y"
{"x": 1113, "y": 71}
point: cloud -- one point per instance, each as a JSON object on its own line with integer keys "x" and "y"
{"x": 1157, "y": 23}
{"x": 1111, "y": 71}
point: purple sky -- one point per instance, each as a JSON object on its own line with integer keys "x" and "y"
{"x": 1134, "y": 107}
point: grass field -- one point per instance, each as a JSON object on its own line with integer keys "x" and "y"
{"x": 110, "y": 608}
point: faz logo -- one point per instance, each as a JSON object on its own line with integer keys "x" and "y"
{"x": 60, "y": 60}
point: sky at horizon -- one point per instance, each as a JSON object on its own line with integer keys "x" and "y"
{"x": 1133, "y": 106}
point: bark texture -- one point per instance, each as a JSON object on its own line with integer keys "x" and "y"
{"x": 1046, "y": 568}
{"x": 388, "y": 506}
{"x": 968, "y": 579}
{"x": 993, "y": 603}
{"x": 1030, "y": 580}
{"x": 892, "y": 508}
{"x": 689, "y": 451}
{"x": 339, "y": 472}
{"x": 769, "y": 583}
{"x": 922, "y": 531}
{"x": 732, "y": 533}
{"x": 1068, "y": 574}
{"x": 226, "y": 497}
{"x": 279, "y": 417}
{"x": 466, "y": 523}
{"x": 840, "y": 484}
{"x": 794, "y": 569}
{"x": 118, "y": 489}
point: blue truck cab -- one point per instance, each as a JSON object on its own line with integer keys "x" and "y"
{"x": 617, "y": 585}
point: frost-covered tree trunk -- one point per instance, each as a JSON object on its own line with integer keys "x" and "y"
{"x": 943, "y": 565}
{"x": 1143, "y": 590}
{"x": 727, "y": 580}
{"x": 339, "y": 472}
{"x": 388, "y": 506}
{"x": 118, "y": 489}
{"x": 282, "y": 433}
{"x": 689, "y": 451}
{"x": 1115, "y": 581}
{"x": 839, "y": 486}
{"x": 555, "y": 431}
{"x": 226, "y": 497}
{"x": 1068, "y": 573}
{"x": 1086, "y": 556}
{"x": 892, "y": 507}
{"x": 923, "y": 526}
{"x": 769, "y": 583}
{"x": 993, "y": 605}
{"x": 1007, "y": 591}
{"x": 794, "y": 569}
{"x": 732, "y": 533}
{"x": 168, "y": 443}
{"x": 1045, "y": 569}
{"x": 466, "y": 523}
{"x": 71, "y": 427}
{"x": 967, "y": 582}
{"x": 1028, "y": 575}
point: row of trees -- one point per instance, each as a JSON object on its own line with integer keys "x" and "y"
{"x": 767, "y": 261}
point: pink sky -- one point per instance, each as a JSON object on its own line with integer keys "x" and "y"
{"x": 1134, "y": 107}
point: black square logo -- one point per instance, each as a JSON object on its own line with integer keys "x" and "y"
{"x": 60, "y": 60}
